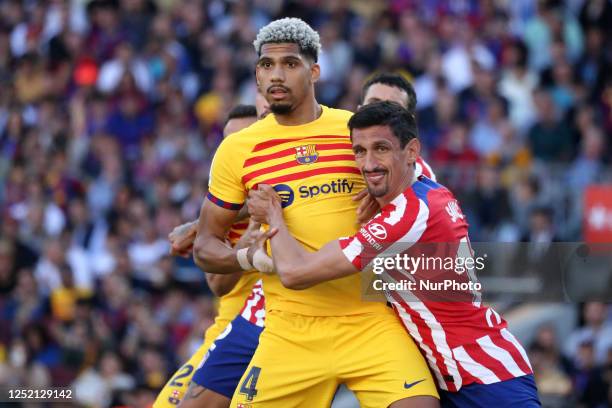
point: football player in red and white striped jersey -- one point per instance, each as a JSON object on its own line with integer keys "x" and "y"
{"x": 476, "y": 360}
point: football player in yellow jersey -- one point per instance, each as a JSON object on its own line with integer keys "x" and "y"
{"x": 326, "y": 335}
{"x": 232, "y": 288}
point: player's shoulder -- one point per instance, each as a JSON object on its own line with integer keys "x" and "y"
{"x": 438, "y": 199}
{"x": 333, "y": 122}
{"x": 337, "y": 114}
{"x": 429, "y": 191}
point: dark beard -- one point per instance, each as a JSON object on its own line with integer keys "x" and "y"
{"x": 377, "y": 194}
{"x": 280, "y": 109}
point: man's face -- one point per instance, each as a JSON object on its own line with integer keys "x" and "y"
{"x": 285, "y": 77}
{"x": 385, "y": 166}
{"x": 237, "y": 124}
{"x": 381, "y": 92}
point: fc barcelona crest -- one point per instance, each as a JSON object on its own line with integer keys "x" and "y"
{"x": 306, "y": 154}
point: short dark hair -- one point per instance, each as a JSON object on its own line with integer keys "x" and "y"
{"x": 241, "y": 111}
{"x": 394, "y": 80}
{"x": 385, "y": 113}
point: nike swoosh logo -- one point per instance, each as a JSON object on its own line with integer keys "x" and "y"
{"x": 406, "y": 385}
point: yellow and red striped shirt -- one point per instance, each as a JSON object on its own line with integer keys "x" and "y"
{"x": 312, "y": 167}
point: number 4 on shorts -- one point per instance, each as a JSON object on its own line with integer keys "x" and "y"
{"x": 250, "y": 382}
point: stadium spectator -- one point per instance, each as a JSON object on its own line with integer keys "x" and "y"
{"x": 554, "y": 383}
{"x": 435, "y": 121}
{"x": 96, "y": 386}
{"x": 517, "y": 84}
{"x": 455, "y": 150}
{"x": 489, "y": 206}
{"x": 550, "y": 23}
{"x": 588, "y": 377}
{"x": 549, "y": 138}
{"x": 596, "y": 335}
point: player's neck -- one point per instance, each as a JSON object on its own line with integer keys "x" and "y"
{"x": 308, "y": 111}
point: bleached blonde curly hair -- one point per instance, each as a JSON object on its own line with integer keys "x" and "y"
{"x": 290, "y": 30}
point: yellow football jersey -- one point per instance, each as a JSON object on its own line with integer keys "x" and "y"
{"x": 312, "y": 167}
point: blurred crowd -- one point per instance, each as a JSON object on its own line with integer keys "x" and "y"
{"x": 110, "y": 112}
{"x": 576, "y": 371}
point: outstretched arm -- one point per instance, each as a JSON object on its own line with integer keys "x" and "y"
{"x": 296, "y": 267}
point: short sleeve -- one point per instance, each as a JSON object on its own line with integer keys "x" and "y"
{"x": 401, "y": 222}
{"x": 225, "y": 187}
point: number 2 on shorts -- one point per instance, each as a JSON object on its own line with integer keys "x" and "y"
{"x": 183, "y": 372}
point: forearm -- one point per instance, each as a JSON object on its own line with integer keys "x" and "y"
{"x": 296, "y": 267}
{"x": 211, "y": 252}
{"x": 292, "y": 262}
{"x": 214, "y": 255}
{"x": 221, "y": 285}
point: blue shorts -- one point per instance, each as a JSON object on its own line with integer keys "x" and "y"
{"x": 517, "y": 392}
{"x": 228, "y": 357}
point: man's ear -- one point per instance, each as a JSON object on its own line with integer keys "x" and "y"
{"x": 315, "y": 72}
{"x": 257, "y": 82}
{"x": 413, "y": 150}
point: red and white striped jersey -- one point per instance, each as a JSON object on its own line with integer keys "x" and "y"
{"x": 421, "y": 167}
{"x": 463, "y": 341}
{"x": 254, "y": 309}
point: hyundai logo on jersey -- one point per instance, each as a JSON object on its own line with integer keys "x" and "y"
{"x": 377, "y": 230}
